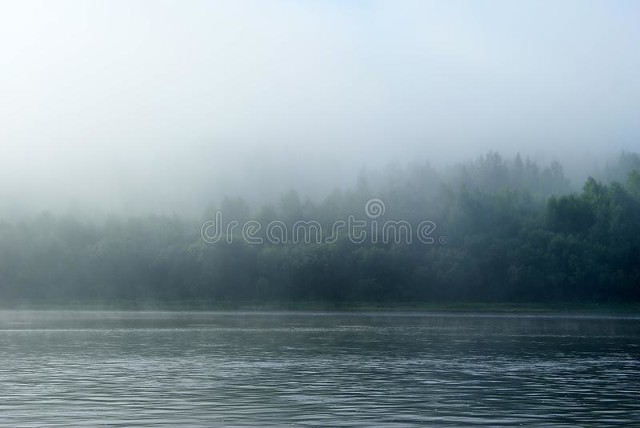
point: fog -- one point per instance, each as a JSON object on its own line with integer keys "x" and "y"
{"x": 166, "y": 106}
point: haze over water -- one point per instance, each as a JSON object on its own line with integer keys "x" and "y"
{"x": 472, "y": 154}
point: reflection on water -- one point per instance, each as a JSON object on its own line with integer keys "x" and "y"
{"x": 317, "y": 369}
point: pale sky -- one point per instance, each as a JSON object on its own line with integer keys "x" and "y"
{"x": 162, "y": 105}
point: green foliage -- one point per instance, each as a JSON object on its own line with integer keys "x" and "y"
{"x": 514, "y": 233}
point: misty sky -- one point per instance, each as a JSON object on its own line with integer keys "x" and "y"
{"x": 167, "y": 105}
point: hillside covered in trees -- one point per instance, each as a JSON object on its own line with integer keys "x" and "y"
{"x": 505, "y": 231}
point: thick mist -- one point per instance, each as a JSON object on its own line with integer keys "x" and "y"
{"x": 167, "y": 106}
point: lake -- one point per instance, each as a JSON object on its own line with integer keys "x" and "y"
{"x": 389, "y": 369}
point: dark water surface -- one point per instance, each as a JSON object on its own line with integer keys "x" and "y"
{"x": 316, "y": 369}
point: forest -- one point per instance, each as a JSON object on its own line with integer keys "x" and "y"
{"x": 508, "y": 230}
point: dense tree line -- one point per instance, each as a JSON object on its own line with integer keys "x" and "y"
{"x": 514, "y": 232}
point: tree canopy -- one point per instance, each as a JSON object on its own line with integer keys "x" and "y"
{"x": 506, "y": 230}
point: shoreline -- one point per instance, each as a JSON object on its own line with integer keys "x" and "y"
{"x": 554, "y": 308}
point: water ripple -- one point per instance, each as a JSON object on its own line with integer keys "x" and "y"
{"x": 172, "y": 369}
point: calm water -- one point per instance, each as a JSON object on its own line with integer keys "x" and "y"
{"x": 316, "y": 369}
